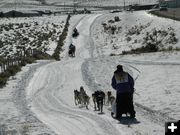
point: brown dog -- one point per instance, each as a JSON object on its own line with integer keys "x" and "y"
{"x": 110, "y": 98}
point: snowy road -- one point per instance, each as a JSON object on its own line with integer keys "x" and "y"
{"x": 50, "y": 93}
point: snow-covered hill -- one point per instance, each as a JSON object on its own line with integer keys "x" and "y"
{"x": 104, "y": 2}
{"x": 156, "y": 76}
{"x": 41, "y": 33}
{"x": 157, "y": 84}
{"x": 132, "y": 30}
{"x": 52, "y": 95}
{"x": 42, "y": 95}
{"x": 53, "y": 4}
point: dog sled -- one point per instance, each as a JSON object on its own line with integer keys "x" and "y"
{"x": 75, "y": 33}
{"x": 125, "y": 106}
{"x": 72, "y": 50}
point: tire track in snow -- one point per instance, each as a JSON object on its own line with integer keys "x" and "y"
{"x": 19, "y": 99}
{"x": 49, "y": 98}
{"x": 49, "y": 101}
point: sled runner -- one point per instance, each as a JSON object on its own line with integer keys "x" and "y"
{"x": 125, "y": 107}
{"x": 125, "y": 120}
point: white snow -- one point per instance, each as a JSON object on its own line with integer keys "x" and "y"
{"x": 15, "y": 117}
{"x": 49, "y": 93}
{"x": 157, "y": 84}
{"x": 108, "y": 43}
{"x": 103, "y": 2}
{"x": 53, "y": 96}
{"x": 53, "y": 4}
{"x": 33, "y": 29}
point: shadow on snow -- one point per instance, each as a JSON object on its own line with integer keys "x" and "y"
{"x": 128, "y": 121}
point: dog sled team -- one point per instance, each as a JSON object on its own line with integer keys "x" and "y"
{"x": 72, "y": 48}
{"x": 75, "y": 33}
{"x": 99, "y": 99}
{"x": 123, "y": 84}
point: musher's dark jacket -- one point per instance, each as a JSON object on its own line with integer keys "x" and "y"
{"x": 122, "y": 82}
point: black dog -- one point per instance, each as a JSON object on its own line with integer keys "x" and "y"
{"x": 98, "y": 99}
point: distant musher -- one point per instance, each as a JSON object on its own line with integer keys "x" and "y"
{"x": 75, "y": 33}
{"x": 72, "y": 50}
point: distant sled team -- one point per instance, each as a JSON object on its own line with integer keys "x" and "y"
{"x": 72, "y": 48}
{"x": 75, "y": 33}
